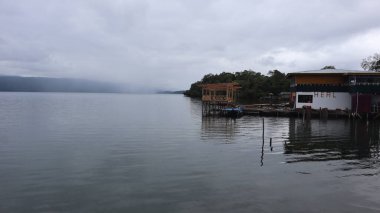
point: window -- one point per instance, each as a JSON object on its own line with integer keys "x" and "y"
{"x": 221, "y": 92}
{"x": 305, "y": 99}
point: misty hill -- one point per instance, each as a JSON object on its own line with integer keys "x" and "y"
{"x": 171, "y": 92}
{"x": 43, "y": 84}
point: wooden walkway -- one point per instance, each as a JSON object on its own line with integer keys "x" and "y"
{"x": 281, "y": 110}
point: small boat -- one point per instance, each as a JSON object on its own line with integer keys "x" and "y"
{"x": 232, "y": 112}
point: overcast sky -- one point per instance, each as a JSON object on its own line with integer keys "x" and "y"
{"x": 169, "y": 44}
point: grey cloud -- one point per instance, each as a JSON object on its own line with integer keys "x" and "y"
{"x": 170, "y": 44}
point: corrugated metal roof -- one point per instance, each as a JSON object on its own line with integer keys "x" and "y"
{"x": 334, "y": 71}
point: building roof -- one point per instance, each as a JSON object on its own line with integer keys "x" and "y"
{"x": 333, "y": 72}
{"x": 221, "y": 86}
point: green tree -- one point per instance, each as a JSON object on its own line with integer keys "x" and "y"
{"x": 277, "y": 82}
{"x": 328, "y": 67}
{"x": 371, "y": 63}
{"x": 195, "y": 90}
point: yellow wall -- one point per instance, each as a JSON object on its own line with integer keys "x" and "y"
{"x": 319, "y": 79}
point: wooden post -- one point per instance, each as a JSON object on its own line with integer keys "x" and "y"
{"x": 262, "y": 149}
{"x": 308, "y": 113}
{"x": 270, "y": 144}
{"x": 303, "y": 115}
{"x": 357, "y": 101}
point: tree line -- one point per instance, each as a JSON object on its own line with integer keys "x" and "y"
{"x": 254, "y": 85}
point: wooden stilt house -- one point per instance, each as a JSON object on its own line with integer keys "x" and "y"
{"x": 217, "y": 96}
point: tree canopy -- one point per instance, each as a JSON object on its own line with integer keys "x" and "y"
{"x": 371, "y": 63}
{"x": 254, "y": 85}
{"x": 328, "y": 67}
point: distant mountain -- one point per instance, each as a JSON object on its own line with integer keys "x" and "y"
{"x": 171, "y": 92}
{"x": 43, "y": 84}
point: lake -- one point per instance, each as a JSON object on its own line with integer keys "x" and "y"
{"x": 77, "y": 152}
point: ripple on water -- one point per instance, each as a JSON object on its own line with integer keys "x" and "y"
{"x": 147, "y": 153}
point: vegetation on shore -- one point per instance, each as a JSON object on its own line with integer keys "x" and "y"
{"x": 171, "y": 92}
{"x": 254, "y": 85}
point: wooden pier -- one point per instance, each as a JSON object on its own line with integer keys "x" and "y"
{"x": 281, "y": 110}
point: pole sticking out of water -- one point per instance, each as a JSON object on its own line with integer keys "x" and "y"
{"x": 262, "y": 153}
{"x": 303, "y": 115}
{"x": 262, "y": 148}
{"x": 270, "y": 144}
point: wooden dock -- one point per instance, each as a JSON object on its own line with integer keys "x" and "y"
{"x": 282, "y": 110}
{"x": 268, "y": 110}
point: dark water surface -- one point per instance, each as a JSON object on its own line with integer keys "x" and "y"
{"x": 154, "y": 153}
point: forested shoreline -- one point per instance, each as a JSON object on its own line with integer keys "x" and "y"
{"x": 254, "y": 85}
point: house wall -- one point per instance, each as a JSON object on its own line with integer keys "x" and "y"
{"x": 319, "y": 79}
{"x": 329, "y": 100}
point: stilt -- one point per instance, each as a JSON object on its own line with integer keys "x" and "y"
{"x": 303, "y": 115}
{"x": 270, "y": 144}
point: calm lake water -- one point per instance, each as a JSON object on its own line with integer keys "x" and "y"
{"x": 62, "y": 152}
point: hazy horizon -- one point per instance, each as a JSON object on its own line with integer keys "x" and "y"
{"x": 150, "y": 45}
{"x": 14, "y": 83}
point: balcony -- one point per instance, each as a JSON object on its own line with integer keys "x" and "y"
{"x": 320, "y": 88}
{"x": 216, "y": 98}
{"x": 365, "y": 88}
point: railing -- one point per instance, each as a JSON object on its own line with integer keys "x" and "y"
{"x": 365, "y": 88}
{"x": 352, "y": 88}
{"x": 364, "y": 83}
{"x": 321, "y": 88}
{"x": 221, "y": 98}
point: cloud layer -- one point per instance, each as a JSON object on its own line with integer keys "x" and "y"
{"x": 170, "y": 44}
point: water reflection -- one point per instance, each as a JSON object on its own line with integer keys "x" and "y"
{"x": 195, "y": 107}
{"x": 319, "y": 140}
{"x": 262, "y": 151}
{"x": 222, "y": 129}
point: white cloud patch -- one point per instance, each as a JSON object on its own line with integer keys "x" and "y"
{"x": 344, "y": 54}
